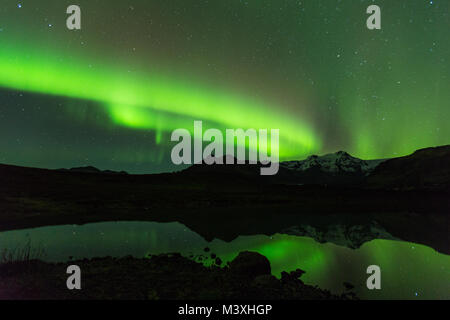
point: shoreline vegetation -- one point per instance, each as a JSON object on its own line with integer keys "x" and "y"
{"x": 159, "y": 277}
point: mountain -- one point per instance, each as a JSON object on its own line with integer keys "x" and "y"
{"x": 424, "y": 169}
{"x": 244, "y": 173}
{"x": 91, "y": 169}
{"x": 331, "y": 169}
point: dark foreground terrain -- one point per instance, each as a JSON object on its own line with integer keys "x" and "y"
{"x": 166, "y": 277}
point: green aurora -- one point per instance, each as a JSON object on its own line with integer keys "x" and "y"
{"x": 139, "y": 69}
{"x": 133, "y": 101}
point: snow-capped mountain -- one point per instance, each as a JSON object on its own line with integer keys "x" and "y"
{"x": 334, "y": 168}
{"x": 338, "y": 162}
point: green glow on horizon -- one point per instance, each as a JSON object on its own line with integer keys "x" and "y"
{"x": 139, "y": 100}
{"x": 394, "y": 115}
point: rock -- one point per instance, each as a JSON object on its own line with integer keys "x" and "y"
{"x": 250, "y": 264}
{"x": 163, "y": 277}
{"x": 297, "y": 273}
{"x": 266, "y": 281}
{"x": 292, "y": 276}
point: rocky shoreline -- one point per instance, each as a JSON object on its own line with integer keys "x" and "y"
{"x": 159, "y": 277}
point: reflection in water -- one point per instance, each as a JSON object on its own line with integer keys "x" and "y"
{"x": 408, "y": 270}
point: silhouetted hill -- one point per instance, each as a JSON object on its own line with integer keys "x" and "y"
{"x": 245, "y": 173}
{"x": 424, "y": 169}
{"x": 91, "y": 169}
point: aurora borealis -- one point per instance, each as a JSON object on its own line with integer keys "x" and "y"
{"x": 110, "y": 94}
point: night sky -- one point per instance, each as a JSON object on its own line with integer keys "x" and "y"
{"x": 110, "y": 94}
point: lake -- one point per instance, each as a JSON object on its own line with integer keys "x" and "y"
{"x": 408, "y": 270}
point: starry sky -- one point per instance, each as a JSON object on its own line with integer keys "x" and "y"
{"x": 110, "y": 94}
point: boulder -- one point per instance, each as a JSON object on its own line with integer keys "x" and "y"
{"x": 250, "y": 264}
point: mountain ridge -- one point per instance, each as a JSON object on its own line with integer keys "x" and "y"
{"x": 233, "y": 202}
{"x": 340, "y": 161}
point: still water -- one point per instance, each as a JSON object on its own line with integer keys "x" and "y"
{"x": 408, "y": 270}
